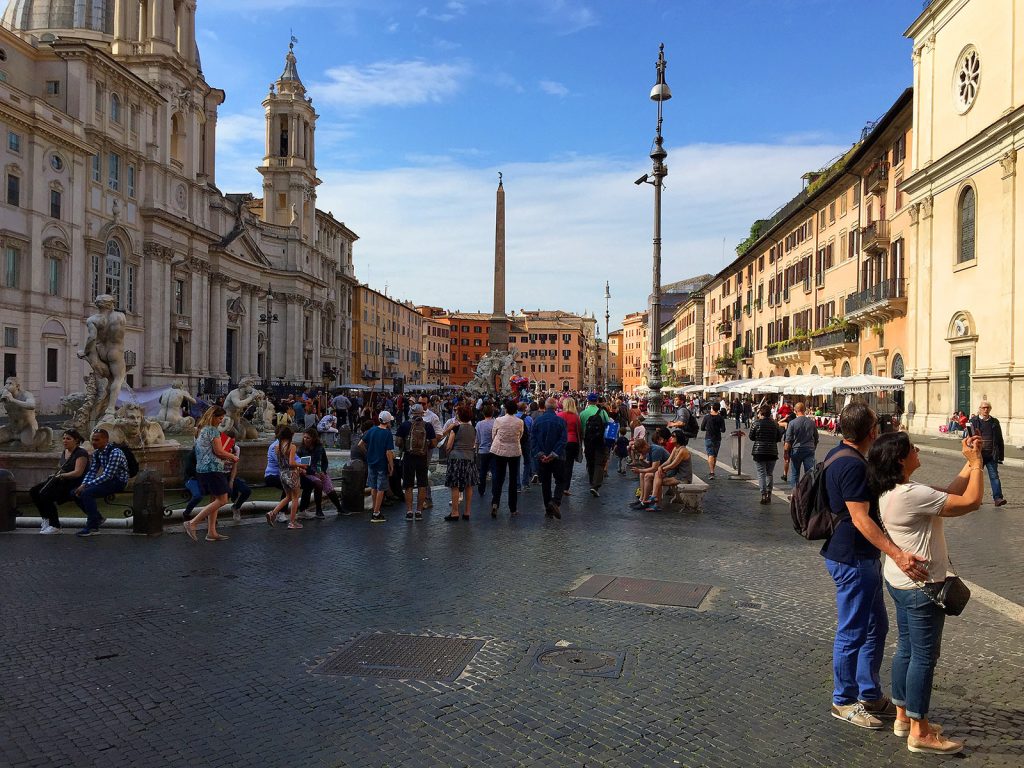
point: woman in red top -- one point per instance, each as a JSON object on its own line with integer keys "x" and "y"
{"x": 570, "y": 416}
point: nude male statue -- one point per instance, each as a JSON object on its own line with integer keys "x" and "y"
{"x": 22, "y": 425}
{"x": 170, "y": 417}
{"x": 235, "y": 403}
{"x": 104, "y": 350}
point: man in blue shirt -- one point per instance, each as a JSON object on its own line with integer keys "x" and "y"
{"x": 547, "y": 443}
{"x": 852, "y": 556}
{"x": 106, "y": 473}
{"x": 299, "y": 407}
{"x": 379, "y": 446}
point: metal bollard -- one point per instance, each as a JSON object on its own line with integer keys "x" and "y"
{"x": 353, "y": 481}
{"x": 8, "y": 500}
{"x": 737, "y": 455}
{"x": 148, "y": 503}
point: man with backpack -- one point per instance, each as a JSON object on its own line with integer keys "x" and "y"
{"x": 107, "y": 473}
{"x": 593, "y": 422}
{"x": 685, "y": 420}
{"x": 852, "y": 556}
{"x": 416, "y": 438}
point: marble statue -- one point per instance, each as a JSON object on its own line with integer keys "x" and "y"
{"x": 266, "y": 415}
{"x": 494, "y": 363}
{"x": 22, "y": 426}
{"x": 104, "y": 351}
{"x": 169, "y": 417}
{"x": 130, "y": 426}
{"x": 235, "y": 403}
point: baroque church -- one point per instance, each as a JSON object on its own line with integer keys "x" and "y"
{"x": 108, "y": 155}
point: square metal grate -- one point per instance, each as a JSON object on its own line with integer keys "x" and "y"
{"x": 648, "y": 591}
{"x": 402, "y": 657}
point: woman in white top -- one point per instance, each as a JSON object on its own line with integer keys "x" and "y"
{"x": 506, "y": 450}
{"x": 912, "y": 517}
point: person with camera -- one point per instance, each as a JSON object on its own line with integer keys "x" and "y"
{"x": 912, "y": 515}
{"x": 58, "y": 488}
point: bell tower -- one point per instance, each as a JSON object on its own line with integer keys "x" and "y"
{"x": 289, "y": 167}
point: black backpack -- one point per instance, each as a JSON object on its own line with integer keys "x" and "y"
{"x": 809, "y": 506}
{"x": 691, "y": 428}
{"x": 594, "y": 431}
{"x": 129, "y": 457}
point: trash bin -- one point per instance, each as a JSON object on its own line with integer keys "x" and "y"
{"x": 148, "y": 503}
{"x": 353, "y": 483}
{"x": 8, "y": 501}
{"x": 886, "y": 423}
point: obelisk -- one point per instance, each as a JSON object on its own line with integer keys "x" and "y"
{"x": 497, "y": 335}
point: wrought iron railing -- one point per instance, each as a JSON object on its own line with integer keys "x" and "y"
{"x": 848, "y": 335}
{"x": 790, "y": 347}
{"x": 894, "y": 288}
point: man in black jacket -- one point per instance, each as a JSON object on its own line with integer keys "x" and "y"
{"x": 713, "y": 427}
{"x": 986, "y": 426}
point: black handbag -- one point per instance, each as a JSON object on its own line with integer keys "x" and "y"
{"x": 953, "y": 596}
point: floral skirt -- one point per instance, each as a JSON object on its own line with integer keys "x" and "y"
{"x": 461, "y": 474}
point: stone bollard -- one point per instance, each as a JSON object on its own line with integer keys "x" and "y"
{"x": 148, "y": 503}
{"x": 344, "y": 437}
{"x": 353, "y": 482}
{"x": 8, "y": 501}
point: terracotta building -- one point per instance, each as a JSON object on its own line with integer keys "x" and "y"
{"x": 557, "y": 350}
{"x": 468, "y": 343}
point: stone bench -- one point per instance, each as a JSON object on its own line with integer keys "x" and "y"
{"x": 689, "y": 496}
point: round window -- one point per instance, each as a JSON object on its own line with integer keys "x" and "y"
{"x": 57, "y": 162}
{"x": 967, "y": 79}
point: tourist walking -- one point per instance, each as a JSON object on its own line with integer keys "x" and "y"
{"x": 60, "y": 486}
{"x": 461, "y": 474}
{"x": 433, "y": 418}
{"x": 341, "y": 406}
{"x": 483, "y": 445}
{"x": 547, "y": 442}
{"x": 524, "y": 446}
{"x": 506, "y": 449}
{"x": 765, "y": 434}
{"x": 315, "y": 481}
{"x": 570, "y": 415}
{"x": 594, "y": 447}
{"x": 852, "y": 558}
{"x": 238, "y": 490}
{"x": 713, "y": 427}
{"x": 290, "y": 472}
{"x": 986, "y": 426}
{"x": 106, "y": 474}
{"x": 379, "y": 446}
{"x": 912, "y": 514}
{"x": 799, "y": 444}
{"x": 212, "y": 460}
{"x": 416, "y": 438}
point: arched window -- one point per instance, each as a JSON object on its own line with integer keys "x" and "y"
{"x": 846, "y": 368}
{"x": 113, "y": 266}
{"x": 868, "y": 368}
{"x": 799, "y": 371}
{"x": 897, "y": 366}
{"x": 814, "y": 371}
{"x": 115, "y": 108}
{"x": 177, "y": 140}
{"x": 965, "y": 225}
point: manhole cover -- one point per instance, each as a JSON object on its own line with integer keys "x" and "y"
{"x": 648, "y": 591}
{"x": 403, "y": 657}
{"x": 579, "y": 661}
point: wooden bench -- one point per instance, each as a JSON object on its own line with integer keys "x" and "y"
{"x": 690, "y": 496}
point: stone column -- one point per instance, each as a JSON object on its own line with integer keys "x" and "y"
{"x": 196, "y": 362}
{"x": 217, "y": 327}
{"x": 254, "y": 330}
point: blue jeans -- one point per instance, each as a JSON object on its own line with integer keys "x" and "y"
{"x": 240, "y": 492}
{"x": 993, "y": 477}
{"x": 800, "y": 458}
{"x": 86, "y": 499}
{"x": 860, "y": 634}
{"x": 764, "y": 474}
{"x": 486, "y": 466}
{"x": 920, "y": 623}
{"x": 527, "y": 469}
{"x": 192, "y": 486}
{"x": 377, "y": 479}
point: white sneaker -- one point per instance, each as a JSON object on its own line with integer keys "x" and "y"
{"x": 309, "y": 514}
{"x": 236, "y": 515}
{"x": 282, "y": 517}
{"x": 47, "y": 528}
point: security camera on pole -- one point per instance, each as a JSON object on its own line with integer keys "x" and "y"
{"x": 660, "y": 93}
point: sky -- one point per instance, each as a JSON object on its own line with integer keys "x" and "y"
{"x": 422, "y": 103}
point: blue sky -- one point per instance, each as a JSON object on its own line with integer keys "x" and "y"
{"x": 422, "y": 103}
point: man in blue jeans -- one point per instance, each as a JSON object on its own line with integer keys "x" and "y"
{"x": 106, "y": 473}
{"x": 852, "y": 556}
{"x": 799, "y": 444}
{"x": 986, "y": 426}
{"x": 379, "y": 445}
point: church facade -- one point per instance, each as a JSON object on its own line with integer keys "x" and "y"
{"x": 108, "y": 154}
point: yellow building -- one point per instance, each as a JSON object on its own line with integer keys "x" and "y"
{"x": 387, "y": 339}
{"x": 687, "y": 358}
{"x": 966, "y": 330}
{"x": 635, "y": 352}
{"x": 615, "y": 352}
{"x": 821, "y": 288}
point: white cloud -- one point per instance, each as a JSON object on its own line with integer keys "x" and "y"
{"x": 553, "y": 88}
{"x": 391, "y": 83}
{"x": 567, "y": 16}
{"x": 428, "y": 229}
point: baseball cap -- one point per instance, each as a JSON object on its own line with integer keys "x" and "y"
{"x": 592, "y": 397}
{"x": 385, "y": 417}
{"x": 416, "y": 410}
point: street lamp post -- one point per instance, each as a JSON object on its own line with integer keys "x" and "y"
{"x": 607, "y": 341}
{"x": 269, "y": 318}
{"x": 660, "y": 93}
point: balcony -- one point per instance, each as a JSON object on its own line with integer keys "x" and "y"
{"x": 181, "y": 322}
{"x": 725, "y": 366}
{"x": 879, "y": 303}
{"x": 840, "y": 342}
{"x": 725, "y": 329}
{"x": 791, "y": 351}
{"x": 878, "y": 178}
{"x": 875, "y": 236}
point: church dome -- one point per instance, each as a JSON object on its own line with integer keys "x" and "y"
{"x": 55, "y": 16}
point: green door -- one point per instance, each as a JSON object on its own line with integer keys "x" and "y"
{"x": 963, "y": 384}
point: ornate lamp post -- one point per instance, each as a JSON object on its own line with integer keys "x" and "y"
{"x": 660, "y": 93}
{"x": 269, "y": 318}
{"x": 607, "y": 341}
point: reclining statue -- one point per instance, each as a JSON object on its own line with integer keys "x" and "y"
{"x": 22, "y": 426}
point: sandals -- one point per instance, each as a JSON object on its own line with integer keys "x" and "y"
{"x": 270, "y": 518}
{"x": 294, "y": 526}
{"x": 190, "y": 531}
{"x": 452, "y": 518}
{"x": 465, "y": 517}
{"x": 217, "y": 537}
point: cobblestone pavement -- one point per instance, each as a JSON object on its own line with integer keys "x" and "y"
{"x": 123, "y": 651}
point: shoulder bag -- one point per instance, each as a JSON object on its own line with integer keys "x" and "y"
{"x": 952, "y": 597}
